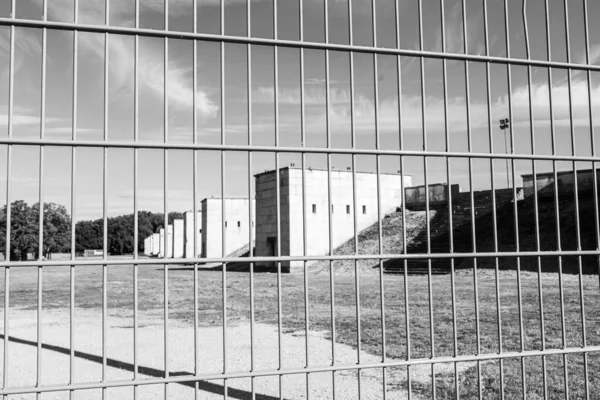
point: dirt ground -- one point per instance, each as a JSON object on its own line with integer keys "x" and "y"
{"x": 88, "y": 359}
{"x": 55, "y": 368}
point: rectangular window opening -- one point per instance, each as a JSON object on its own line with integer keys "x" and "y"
{"x": 347, "y": 209}
{"x": 239, "y": 224}
{"x": 314, "y": 208}
{"x": 364, "y": 209}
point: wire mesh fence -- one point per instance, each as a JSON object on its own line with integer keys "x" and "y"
{"x": 370, "y": 143}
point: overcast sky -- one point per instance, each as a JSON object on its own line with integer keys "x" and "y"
{"x": 59, "y": 103}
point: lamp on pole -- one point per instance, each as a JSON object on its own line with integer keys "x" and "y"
{"x": 504, "y": 124}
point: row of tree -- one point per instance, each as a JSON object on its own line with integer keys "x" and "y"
{"x": 25, "y": 230}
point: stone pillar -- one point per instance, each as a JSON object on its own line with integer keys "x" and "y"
{"x": 155, "y": 244}
{"x": 178, "y": 238}
{"x": 161, "y": 244}
{"x": 170, "y": 241}
{"x": 189, "y": 233}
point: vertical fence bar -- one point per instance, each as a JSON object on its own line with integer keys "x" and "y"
{"x": 277, "y": 197}
{"x": 378, "y": 173}
{"x": 471, "y": 197}
{"x": 194, "y": 193}
{"x": 73, "y": 204}
{"x": 494, "y": 205}
{"x": 11, "y": 93}
{"x": 449, "y": 191}
{"x": 329, "y": 193}
{"x": 403, "y": 196}
{"x": 41, "y": 197}
{"x": 536, "y": 207}
{"x": 105, "y": 205}
{"x": 576, "y": 198}
{"x": 250, "y": 205}
{"x": 304, "y": 218}
{"x": 556, "y": 199}
{"x": 354, "y": 200}
{"x": 515, "y": 206}
{"x": 427, "y": 213}
{"x": 166, "y": 202}
{"x": 223, "y": 208}
{"x": 136, "y": 120}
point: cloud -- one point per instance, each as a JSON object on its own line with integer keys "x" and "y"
{"x": 27, "y": 44}
{"x": 455, "y": 34}
{"x": 121, "y": 62}
{"x": 180, "y": 93}
{"x": 456, "y": 108}
{"x": 22, "y": 118}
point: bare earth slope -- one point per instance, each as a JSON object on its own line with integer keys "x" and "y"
{"x": 368, "y": 242}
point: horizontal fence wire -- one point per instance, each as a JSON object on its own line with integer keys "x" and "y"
{"x": 299, "y": 371}
{"x": 298, "y": 150}
{"x": 219, "y": 260}
{"x": 291, "y": 44}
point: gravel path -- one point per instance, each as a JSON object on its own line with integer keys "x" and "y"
{"x": 88, "y": 360}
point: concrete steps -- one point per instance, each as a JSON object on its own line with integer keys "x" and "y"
{"x": 438, "y": 239}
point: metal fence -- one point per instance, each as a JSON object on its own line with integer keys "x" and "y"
{"x": 542, "y": 351}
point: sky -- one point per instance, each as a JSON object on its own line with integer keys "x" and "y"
{"x": 58, "y": 123}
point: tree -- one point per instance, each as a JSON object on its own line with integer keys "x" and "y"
{"x": 57, "y": 228}
{"x": 120, "y": 235}
{"x": 25, "y": 229}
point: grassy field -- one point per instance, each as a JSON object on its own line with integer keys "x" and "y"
{"x": 120, "y": 294}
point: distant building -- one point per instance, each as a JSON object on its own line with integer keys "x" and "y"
{"x": 317, "y": 210}
{"x": 155, "y": 244}
{"x": 93, "y": 253}
{"x": 148, "y": 246}
{"x": 178, "y": 238}
{"x": 188, "y": 218}
{"x": 439, "y": 193}
{"x": 237, "y": 234}
{"x": 565, "y": 183}
{"x": 169, "y": 248}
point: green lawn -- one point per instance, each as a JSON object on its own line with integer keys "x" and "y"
{"x": 120, "y": 293}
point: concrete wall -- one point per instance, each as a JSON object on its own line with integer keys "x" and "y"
{"x": 178, "y": 238}
{"x": 188, "y": 218}
{"x": 155, "y": 246}
{"x": 236, "y": 229}
{"x": 161, "y": 243}
{"x": 565, "y": 183}
{"x": 266, "y": 213}
{"x": 169, "y": 242}
{"x": 317, "y": 208}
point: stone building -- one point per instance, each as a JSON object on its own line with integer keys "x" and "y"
{"x": 169, "y": 249}
{"x": 188, "y": 218}
{"x": 317, "y": 209}
{"x": 237, "y": 234}
{"x": 178, "y": 238}
{"x": 155, "y": 244}
{"x": 565, "y": 183}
